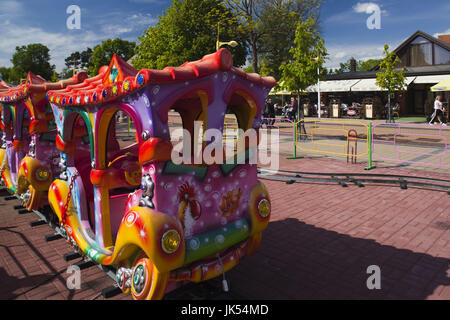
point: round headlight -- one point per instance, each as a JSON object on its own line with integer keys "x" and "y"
{"x": 42, "y": 174}
{"x": 264, "y": 208}
{"x": 170, "y": 241}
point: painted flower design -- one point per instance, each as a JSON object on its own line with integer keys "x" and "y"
{"x": 230, "y": 203}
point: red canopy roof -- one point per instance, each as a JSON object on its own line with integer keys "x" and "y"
{"x": 36, "y": 84}
{"x": 120, "y": 79}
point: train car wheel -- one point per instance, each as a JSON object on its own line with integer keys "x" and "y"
{"x": 147, "y": 282}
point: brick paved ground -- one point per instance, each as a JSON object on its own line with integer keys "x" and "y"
{"x": 320, "y": 241}
{"x": 31, "y": 268}
{"x": 322, "y": 238}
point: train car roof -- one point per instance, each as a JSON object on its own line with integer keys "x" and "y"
{"x": 36, "y": 84}
{"x": 120, "y": 79}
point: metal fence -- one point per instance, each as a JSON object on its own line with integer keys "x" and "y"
{"x": 411, "y": 144}
{"x": 333, "y": 137}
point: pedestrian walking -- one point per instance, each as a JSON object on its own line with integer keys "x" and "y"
{"x": 438, "y": 113}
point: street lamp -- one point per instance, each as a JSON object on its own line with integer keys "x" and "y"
{"x": 220, "y": 43}
{"x": 318, "y": 85}
{"x": 230, "y": 43}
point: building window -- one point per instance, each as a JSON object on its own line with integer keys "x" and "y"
{"x": 441, "y": 55}
{"x": 421, "y": 51}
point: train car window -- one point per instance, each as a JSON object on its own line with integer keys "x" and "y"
{"x": 186, "y": 125}
{"x": 230, "y": 131}
{"x": 237, "y": 122}
{"x": 85, "y": 139}
{"x": 49, "y": 137}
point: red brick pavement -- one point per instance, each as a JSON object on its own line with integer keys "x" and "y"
{"x": 31, "y": 268}
{"x": 320, "y": 241}
{"x": 322, "y": 238}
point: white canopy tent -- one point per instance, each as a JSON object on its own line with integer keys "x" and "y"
{"x": 366, "y": 85}
{"x": 333, "y": 86}
{"x": 430, "y": 79}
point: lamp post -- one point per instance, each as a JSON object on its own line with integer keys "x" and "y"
{"x": 318, "y": 92}
{"x": 230, "y": 43}
{"x": 220, "y": 43}
{"x": 318, "y": 85}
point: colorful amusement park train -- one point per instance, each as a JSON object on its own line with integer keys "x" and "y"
{"x": 128, "y": 205}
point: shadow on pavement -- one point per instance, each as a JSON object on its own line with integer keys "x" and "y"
{"x": 301, "y": 261}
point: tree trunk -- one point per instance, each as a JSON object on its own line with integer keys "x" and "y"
{"x": 254, "y": 55}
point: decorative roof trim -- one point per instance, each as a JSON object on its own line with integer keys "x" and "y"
{"x": 36, "y": 84}
{"x": 101, "y": 89}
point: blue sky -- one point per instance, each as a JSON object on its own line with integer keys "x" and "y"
{"x": 346, "y": 34}
{"x": 343, "y": 25}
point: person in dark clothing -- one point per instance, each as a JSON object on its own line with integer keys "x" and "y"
{"x": 268, "y": 113}
{"x": 292, "y": 110}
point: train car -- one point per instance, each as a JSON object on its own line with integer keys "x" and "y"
{"x": 29, "y": 155}
{"x": 3, "y": 89}
{"x": 158, "y": 223}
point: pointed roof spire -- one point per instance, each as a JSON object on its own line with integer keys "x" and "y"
{"x": 117, "y": 71}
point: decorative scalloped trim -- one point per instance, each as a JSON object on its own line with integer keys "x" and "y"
{"x": 94, "y": 91}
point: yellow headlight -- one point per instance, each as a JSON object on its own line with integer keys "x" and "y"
{"x": 41, "y": 174}
{"x": 264, "y": 208}
{"x": 170, "y": 241}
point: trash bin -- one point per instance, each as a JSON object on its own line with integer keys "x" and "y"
{"x": 335, "y": 108}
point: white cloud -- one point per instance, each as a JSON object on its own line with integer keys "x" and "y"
{"x": 348, "y": 16}
{"x": 63, "y": 42}
{"x": 342, "y": 53}
{"x": 442, "y": 33}
{"x": 125, "y": 24}
{"x": 368, "y": 7}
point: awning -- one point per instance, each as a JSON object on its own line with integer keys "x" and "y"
{"x": 366, "y": 85}
{"x": 282, "y": 91}
{"x": 431, "y": 79}
{"x": 442, "y": 86}
{"x": 333, "y": 86}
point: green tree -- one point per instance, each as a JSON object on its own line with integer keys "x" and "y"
{"x": 77, "y": 60}
{"x": 390, "y": 78}
{"x": 369, "y": 64}
{"x": 187, "y": 31}
{"x": 268, "y": 27}
{"x": 33, "y": 57}
{"x": 249, "y": 69}
{"x": 346, "y": 66}
{"x": 307, "y": 56}
{"x": 248, "y": 12}
{"x": 85, "y": 58}
{"x": 55, "y": 77}
{"x": 103, "y": 53}
{"x": 74, "y": 60}
{"x": 360, "y": 65}
{"x": 279, "y": 22}
{"x": 5, "y": 74}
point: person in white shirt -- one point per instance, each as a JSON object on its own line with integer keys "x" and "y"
{"x": 438, "y": 112}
